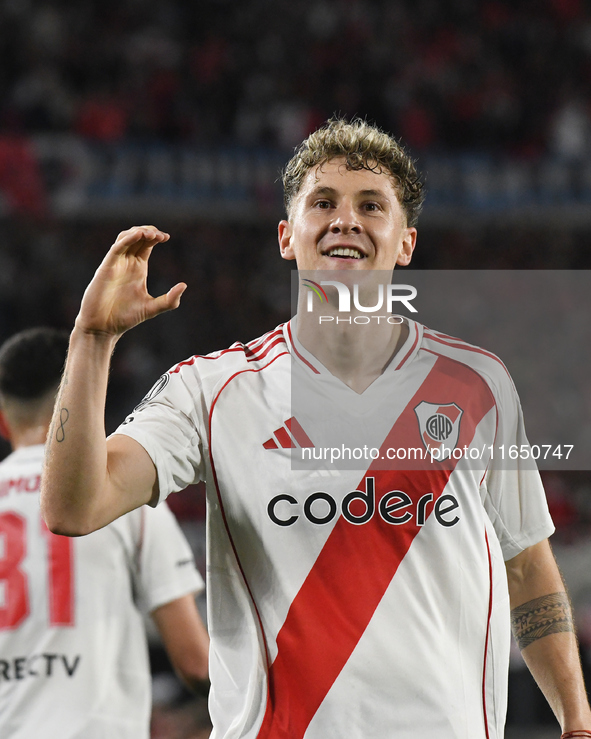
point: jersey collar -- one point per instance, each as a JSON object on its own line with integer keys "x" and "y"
{"x": 403, "y": 357}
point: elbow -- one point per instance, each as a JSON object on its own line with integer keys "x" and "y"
{"x": 66, "y": 528}
{"x": 64, "y": 525}
{"x": 67, "y": 531}
{"x": 64, "y": 519}
{"x": 194, "y": 673}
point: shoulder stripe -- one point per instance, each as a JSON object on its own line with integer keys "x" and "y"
{"x": 186, "y": 363}
{"x": 271, "y": 339}
{"x": 464, "y": 346}
{"x": 257, "y": 357}
{"x": 410, "y": 351}
{"x": 257, "y": 343}
{"x": 189, "y": 362}
{"x": 275, "y": 337}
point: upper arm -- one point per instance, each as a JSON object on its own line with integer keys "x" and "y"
{"x": 132, "y": 474}
{"x": 167, "y": 428}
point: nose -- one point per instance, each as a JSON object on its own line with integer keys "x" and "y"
{"x": 346, "y": 219}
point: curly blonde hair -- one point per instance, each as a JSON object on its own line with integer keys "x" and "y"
{"x": 364, "y": 147}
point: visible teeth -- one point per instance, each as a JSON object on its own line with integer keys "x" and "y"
{"x": 342, "y": 251}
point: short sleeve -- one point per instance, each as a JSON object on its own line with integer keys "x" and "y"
{"x": 512, "y": 490}
{"x": 167, "y": 423}
{"x": 165, "y": 563}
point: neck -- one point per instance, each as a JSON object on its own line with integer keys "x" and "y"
{"x": 28, "y": 436}
{"x": 26, "y": 422}
{"x": 355, "y": 352}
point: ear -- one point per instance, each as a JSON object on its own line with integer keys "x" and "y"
{"x": 409, "y": 241}
{"x": 284, "y": 232}
{"x": 4, "y": 427}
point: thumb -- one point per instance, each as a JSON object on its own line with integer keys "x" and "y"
{"x": 170, "y": 300}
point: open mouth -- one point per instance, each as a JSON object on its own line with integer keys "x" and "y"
{"x": 345, "y": 252}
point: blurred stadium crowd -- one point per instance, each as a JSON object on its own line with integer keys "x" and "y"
{"x": 508, "y": 78}
{"x": 443, "y": 75}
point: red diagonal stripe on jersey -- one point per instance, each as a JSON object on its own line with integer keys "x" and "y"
{"x": 298, "y": 432}
{"x": 284, "y": 438}
{"x": 270, "y": 444}
{"x": 357, "y": 563}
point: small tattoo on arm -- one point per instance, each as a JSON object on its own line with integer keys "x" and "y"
{"x": 60, "y": 434}
{"x": 550, "y": 614}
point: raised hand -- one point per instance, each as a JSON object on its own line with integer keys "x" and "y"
{"x": 117, "y": 298}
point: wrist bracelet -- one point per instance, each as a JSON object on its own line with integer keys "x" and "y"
{"x": 577, "y": 733}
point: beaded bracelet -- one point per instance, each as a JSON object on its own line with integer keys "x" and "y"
{"x": 576, "y": 733}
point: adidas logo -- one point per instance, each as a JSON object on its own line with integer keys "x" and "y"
{"x": 289, "y": 436}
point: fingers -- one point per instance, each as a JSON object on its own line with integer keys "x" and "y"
{"x": 138, "y": 238}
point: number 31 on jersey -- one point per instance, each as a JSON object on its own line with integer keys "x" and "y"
{"x": 14, "y": 582}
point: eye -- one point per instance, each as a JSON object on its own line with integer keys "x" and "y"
{"x": 371, "y": 207}
{"x": 322, "y": 204}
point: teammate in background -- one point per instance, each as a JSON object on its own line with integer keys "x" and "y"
{"x": 73, "y": 650}
{"x": 338, "y": 607}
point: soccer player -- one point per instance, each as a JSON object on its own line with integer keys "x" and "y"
{"x": 366, "y": 602}
{"x": 73, "y": 650}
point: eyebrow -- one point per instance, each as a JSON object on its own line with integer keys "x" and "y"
{"x": 375, "y": 194}
{"x": 365, "y": 193}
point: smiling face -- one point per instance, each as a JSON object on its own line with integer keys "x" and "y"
{"x": 344, "y": 219}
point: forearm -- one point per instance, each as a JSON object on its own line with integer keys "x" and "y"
{"x": 186, "y": 641}
{"x": 543, "y": 628}
{"x": 554, "y": 663}
{"x": 75, "y": 475}
{"x": 88, "y": 482}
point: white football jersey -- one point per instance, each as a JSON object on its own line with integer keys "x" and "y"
{"x": 367, "y": 602}
{"x": 73, "y": 651}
